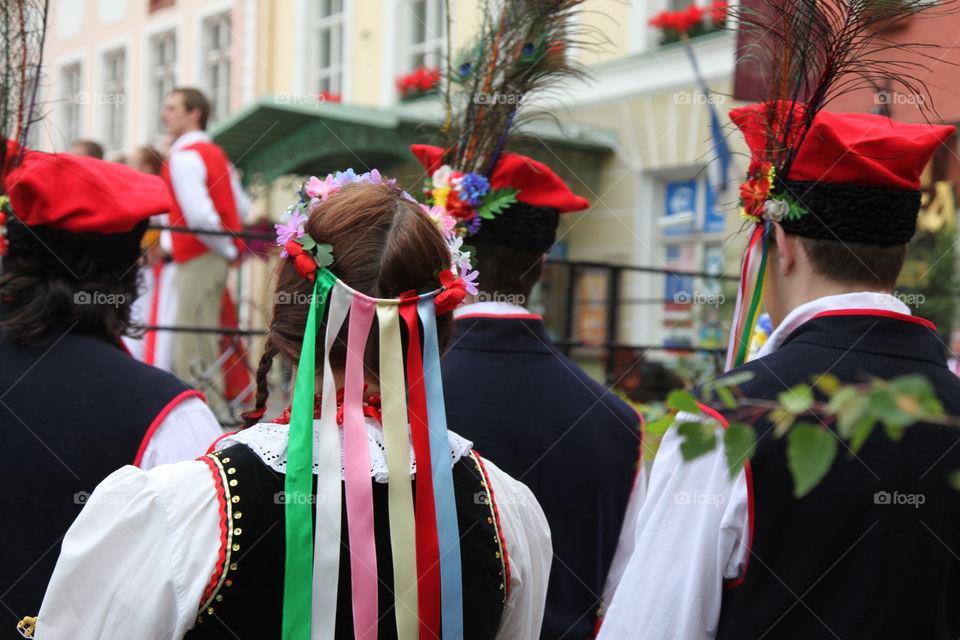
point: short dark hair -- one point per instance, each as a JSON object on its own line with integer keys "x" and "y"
{"x": 870, "y": 265}
{"x": 507, "y": 271}
{"x": 194, "y": 99}
{"x": 90, "y": 148}
{"x": 87, "y": 286}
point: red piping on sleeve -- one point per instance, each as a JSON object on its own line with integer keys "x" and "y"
{"x": 189, "y": 393}
{"x": 879, "y": 312}
{"x": 220, "y": 565}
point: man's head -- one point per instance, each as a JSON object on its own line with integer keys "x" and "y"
{"x": 185, "y": 109}
{"x": 803, "y": 269}
{"x": 87, "y": 148}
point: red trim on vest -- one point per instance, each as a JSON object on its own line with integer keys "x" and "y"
{"x": 512, "y": 316}
{"x": 748, "y": 477}
{"x": 219, "y": 567}
{"x": 923, "y": 322}
{"x": 189, "y": 393}
{"x": 496, "y": 516}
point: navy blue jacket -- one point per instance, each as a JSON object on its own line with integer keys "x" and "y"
{"x": 71, "y": 412}
{"x": 540, "y": 418}
{"x": 874, "y": 550}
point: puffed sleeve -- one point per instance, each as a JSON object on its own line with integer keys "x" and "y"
{"x": 136, "y": 561}
{"x": 526, "y": 536}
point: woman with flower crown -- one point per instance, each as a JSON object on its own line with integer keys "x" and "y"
{"x": 353, "y": 514}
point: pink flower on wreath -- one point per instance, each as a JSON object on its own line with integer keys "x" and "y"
{"x": 444, "y": 222}
{"x": 317, "y": 188}
{"x": 293, "y": 229}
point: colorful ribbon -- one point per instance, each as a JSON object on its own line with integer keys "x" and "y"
{"x": 448, "y": 529}
{"x": 744, "y": 322}
{"x": 396, "y": 437}
{"x": 298, "y": 481}
{"x": 358, "y": 489}
{"x": 326, "y": 547}
{"x": 428, "y": 551}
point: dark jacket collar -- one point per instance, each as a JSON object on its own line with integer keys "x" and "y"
{"x": 478, "y": 332}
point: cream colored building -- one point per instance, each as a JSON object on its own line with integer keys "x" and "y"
{"x": 635, "y": 139}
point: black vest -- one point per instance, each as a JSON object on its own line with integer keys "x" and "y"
{"x": 245, "y": 596}
{"x": 874, "y": 550}
{"x": 71, "y": 412}
{"x": 539, "y": 417}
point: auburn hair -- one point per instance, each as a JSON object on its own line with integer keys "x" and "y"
{"x": 383, "y": 245}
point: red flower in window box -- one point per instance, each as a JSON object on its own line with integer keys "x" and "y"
{"x": 718, "y": 12}
{"x": 680, "y": 21}
{"x": 418, "y": 82}
{"x": 326, "y": 96}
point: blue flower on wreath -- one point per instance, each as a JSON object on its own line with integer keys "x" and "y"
{"x": 472, "y": 188}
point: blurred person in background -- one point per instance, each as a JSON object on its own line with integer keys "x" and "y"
{"x": 87, "y": 148}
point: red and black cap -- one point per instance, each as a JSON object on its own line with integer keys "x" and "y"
{"x": 855, "y": 177}
{"x": 531, "y": 222}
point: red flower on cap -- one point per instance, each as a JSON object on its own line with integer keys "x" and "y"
{"x": 455, "y": 290}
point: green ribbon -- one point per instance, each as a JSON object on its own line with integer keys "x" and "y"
{"x": 755, "y": 301}
{"x": 298, "y": 482}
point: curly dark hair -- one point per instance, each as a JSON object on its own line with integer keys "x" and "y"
{"x": 53, "y": 281}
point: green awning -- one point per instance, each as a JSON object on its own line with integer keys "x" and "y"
{"x": 278, "y": 135}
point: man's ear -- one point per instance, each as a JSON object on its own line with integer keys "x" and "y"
{"x": 787, "y": 249}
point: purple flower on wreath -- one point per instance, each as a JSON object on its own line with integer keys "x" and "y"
{"x": 293, "y": 229}
{"x": 344, "y": 177}
{"x": 470, "y": 282}
{"x": 472, "y": 188}
{"x": 473, "y": 225}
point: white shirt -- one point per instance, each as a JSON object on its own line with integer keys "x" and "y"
{"x": 184, "y": 434}
{"x": 136, "y": 561}
{"x": 692, "y": 531}
{"x": 188, "y": 175}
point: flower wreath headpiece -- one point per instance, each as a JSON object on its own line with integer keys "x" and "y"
{"x": 427, "y": 573}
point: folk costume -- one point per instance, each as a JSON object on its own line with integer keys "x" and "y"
{"x": 75, "y": 407}
{"x": 360, "y": 517}
{"x": 742, "y": 558}
{"x": 206, "y": 195}
{"x": 531, "y": 409}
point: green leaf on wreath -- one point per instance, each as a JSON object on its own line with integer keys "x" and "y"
{"x": 324, "y": 255}
{"x": 495, "y": 201}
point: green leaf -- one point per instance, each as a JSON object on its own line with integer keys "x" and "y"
{"x": 324, "y": 255}
{"x": 861, "y": 431}
{"x": 852, "y": 413}
{"x": 699, "y": 438}
{"x": 733, "y": 379}
{"x": 828, "y": 383}
{"x": 726, "y": 396}
{"x": 782, "y": 421}
{"x": 797, "y": 399}
{"x": 894, "y": 433}
{"x": 739, "y": 441}
{"x": 811, "y": 451}
{"x": 495, "y": 201}
{"x": 681, "y": 400}
{"x": 307, "y": 242}
{"x": 659, "y": 426}
{"x": 954, "y": 479}
{"x": 842, "y": 397}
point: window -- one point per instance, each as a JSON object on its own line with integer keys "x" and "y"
{"x": 71, "y": 99}
{"x": 114, "y": 98}
{"x": 216, "y": 64}
{"x": 426, "y": 28}
{"x": 328, "y": 48}
{"x": 32, "y": 111}
{"x": 163, "y": 74}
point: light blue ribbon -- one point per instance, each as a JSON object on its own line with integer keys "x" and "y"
{"x": 448, "y": 530}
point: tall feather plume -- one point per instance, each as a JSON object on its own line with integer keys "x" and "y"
{"x": 23, "y": 25}
{"x": 521, "y": 53}
{"x": 812, "y": 51}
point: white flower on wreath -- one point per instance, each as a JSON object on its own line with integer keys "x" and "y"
{"x": 441, "y": 177}
{"x": 775, "y": 210}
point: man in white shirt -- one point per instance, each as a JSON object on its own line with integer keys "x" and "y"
{"x": 207, "y": 197}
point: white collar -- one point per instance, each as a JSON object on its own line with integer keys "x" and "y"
{"x": 190, "y": 137}
{"x": 872, "y": 300}
{"x": 491, "y": 308}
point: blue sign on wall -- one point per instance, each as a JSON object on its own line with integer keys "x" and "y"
{"x": 681, "y": 200}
